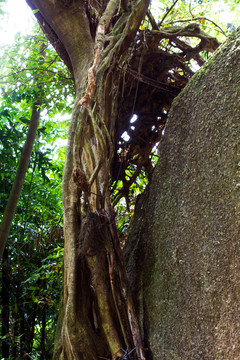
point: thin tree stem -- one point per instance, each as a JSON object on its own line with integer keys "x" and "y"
{"x": 19, "y": 178}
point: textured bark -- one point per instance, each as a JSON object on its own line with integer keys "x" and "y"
{"x": 88, "y": 325}
{"x": 67, "y": 27}
{"x": 183, "y": 249}
{"x": 97, "y": 317}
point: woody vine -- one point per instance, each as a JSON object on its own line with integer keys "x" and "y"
{"x": 133, "y": 71}
{"x": 94, "y": 151}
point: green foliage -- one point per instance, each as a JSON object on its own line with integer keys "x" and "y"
{"x": 35, "y": 245}
{"x": 36, "y": 240}
{"x": 32, "y": 69}
{"x": 210, "y": 14}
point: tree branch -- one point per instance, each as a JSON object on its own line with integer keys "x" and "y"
{"x": 200, "y": 18}
{"x": 152, "y": 20}
{"x": 191, "y": 30}
{"x": 169, "y": 10}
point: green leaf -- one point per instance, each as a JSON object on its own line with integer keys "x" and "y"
{"x": 33, "y": 288}
{"x": 34, "y": 299}
{"x": 35, "y": 11}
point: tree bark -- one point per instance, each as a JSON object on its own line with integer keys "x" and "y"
{"x": 19, "y": 178}
{"x": 6, "y": 271}
{"x": 90, "y": 323}
{"x": 183, "y": 249}
{"x": 43, "y": 334}
{"x": 97, "y": 317}
{"x": 67, "y": 27}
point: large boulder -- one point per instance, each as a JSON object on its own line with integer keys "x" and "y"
{"x": 183, "y": 254}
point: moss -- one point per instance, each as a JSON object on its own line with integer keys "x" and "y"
{"x": 185, "y": 261}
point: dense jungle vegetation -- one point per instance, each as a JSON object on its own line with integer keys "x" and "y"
{"x": 34, "y": 76}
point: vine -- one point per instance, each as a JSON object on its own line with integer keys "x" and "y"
{"x": 96, "y": 149}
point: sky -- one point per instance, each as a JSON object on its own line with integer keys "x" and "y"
{"x": 18, "y": 19}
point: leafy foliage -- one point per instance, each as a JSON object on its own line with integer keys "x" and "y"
{"x": 29, "y": 69}
{"x": 31, "y": 65}
{"x": 33, "y": 258}
{"x": 210, "y": 14}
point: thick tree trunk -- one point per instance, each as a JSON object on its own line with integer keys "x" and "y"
{"x": 90, "y": 322}
{"x": 97, "y": 316}
{"x": 183, "y": 250}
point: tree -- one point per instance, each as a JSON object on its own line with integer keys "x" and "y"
{"x": 19, "y": 179}
{"x": 119, "y": 69}
{"x": 32, "y": 258}
{"x": 33, "y": 96}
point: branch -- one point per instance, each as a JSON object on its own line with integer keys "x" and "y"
{"x": 130, "y": 310}
{"x": 101, "y": 29}
{"x": 200, "y": 18}
{"x": 152, "y": 20}
{"x": 34, "y": 77}
{"x": 187, "y": 49}
{"x": 169, "y": 10}
{"x": 191, "y": 30}
{"x": 133, "y": 23}
{"x": 154, "y": 83}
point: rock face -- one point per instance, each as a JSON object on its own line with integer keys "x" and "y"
{"x": 183, "y": 252}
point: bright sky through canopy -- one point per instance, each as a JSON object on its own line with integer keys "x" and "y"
{"x": 18, "y": 18}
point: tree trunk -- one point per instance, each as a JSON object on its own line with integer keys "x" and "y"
{"x": 183, "y": 249}
{"x": 6, "y": 271}
{"x": 32, "y": 323}
{"x": 90, "y": 321}
{"x": 97, "y": 41}
{"x": 19, "y": 178}
{"x": 43, "y": 333}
